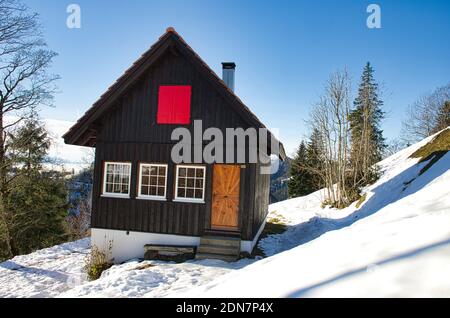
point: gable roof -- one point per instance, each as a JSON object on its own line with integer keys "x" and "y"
{"x": 84, "y": 131}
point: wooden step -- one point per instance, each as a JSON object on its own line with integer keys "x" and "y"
{"x": 218, "y": 249}
{"x": 222, "y": 233}
{"x": 220, "y": 241}
{"x": 227, "y": 258}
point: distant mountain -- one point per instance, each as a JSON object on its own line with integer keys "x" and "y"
{"x": 65, "y": 156}
{"x": 62, "y": 156}
{"x": 278, "y": 180}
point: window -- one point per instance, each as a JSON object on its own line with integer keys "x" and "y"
{"x": 116, "y": 179}
{"x": 190, "y": 183}
{"x": 152, "y": 181}
{"x": 174, "y": 104}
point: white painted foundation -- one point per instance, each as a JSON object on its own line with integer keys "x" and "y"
{"x": 127, "y": 246}
{"x": 247, "y": 246}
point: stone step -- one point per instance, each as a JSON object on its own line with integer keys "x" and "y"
{"x": 218, "y": 249}
{"x": 220, "y": 241}
{"x": 226, "y": 258}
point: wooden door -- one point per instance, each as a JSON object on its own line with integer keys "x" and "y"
{"x": 225, "y": 197}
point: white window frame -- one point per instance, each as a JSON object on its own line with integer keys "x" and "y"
{"x": 112, "y": 194}
{"x": 189, "y": 200}
{"x": 152, "y": 197}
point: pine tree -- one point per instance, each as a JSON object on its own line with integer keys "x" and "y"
{"x": 306, "y": 167}
{"x": 443, "y": 117}
{"x": 37, "y": 199}
{"x": 298, "y": 184}
{"x": 367, "y": 141}
{"x": 314, "y": 159}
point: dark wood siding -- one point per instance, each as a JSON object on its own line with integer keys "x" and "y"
{"x": 261, "y": 199}
{"x": 166, "y": 216}
{"x": 129, "y": 133}
{"x": 134, "y": 117}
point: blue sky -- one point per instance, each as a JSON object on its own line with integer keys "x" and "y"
{"x": 284, "y": 50}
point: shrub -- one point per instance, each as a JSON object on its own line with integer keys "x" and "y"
{"x": 97, "y": 262}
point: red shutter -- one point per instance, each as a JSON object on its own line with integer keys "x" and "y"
{"x": 174, "y": 104}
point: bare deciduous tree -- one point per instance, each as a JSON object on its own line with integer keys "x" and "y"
{"x": 25, "y": 81}
{"x": 330, "y": 118}
{"x": 393, "y": 146}
{"x": 423, "y": 115}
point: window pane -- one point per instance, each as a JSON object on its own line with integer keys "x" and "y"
{"x": 182, "y": 182}
{"x": 117, "y": 178}
{"x": 198, "y": 194}
{"x": 199, "y": 173}
{"x": 161, "y": 191}
{"x": 199, "y": 183}
{"x": 152, "y": 190}
{"x": 161, "y": 181}
{"x": 153, "y": 170}
{"x": 182, "y": 172}
{"x": 145, "y": 180}
{"x": 162, "y": 171}
{"x": 190, "y": 183}
{"x": 153, "y": 180}
{"x": 181, "y": 192}
{"x": 144, "y": 190}
{"x": 191, "y": 172}
{"x": 145, "y": 170}
{"x": 189, "y": 193}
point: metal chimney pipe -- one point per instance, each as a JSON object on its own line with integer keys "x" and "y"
{"x": 228, "y": 74}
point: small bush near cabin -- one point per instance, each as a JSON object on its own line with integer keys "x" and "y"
{"x": 97, "y": 262}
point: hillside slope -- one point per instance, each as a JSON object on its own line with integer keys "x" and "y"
{"x": 397, "y": 243}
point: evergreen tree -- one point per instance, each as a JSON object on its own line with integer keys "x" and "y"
{"x": 298, "y": 184}
{"x": 305, "y": 168}
{"x": 443, "y": 118}
{"x": 367, "y": 141}
{"x": 314, "y": 161}
{"x": 37, "y": 199}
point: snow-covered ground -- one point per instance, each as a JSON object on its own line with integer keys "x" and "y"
{"x": 396, "y": 244}
{"x": 44, "y": 273}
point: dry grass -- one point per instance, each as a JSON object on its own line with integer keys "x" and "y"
{"x": 439, "y": 144}
{"x": 361, "y": 200}
{"x": 434, "y": 150}
{"x": 143, "y": 266}
{"x": 275, "y": 224}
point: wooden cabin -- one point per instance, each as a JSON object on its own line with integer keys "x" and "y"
{"x": 140, "y": 195}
